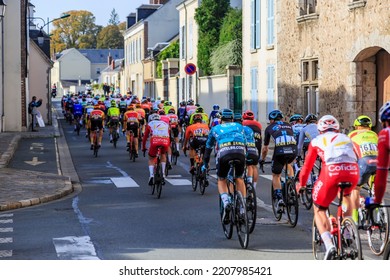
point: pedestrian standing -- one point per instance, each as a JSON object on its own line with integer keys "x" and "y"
{"x": 33, "y": 111}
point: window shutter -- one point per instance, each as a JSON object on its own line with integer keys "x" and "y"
{"x": 252, "y": 13}
{"x": 257, "y": 23}
{"x": 270, "y": 88}
{"x": 270, "y": 22}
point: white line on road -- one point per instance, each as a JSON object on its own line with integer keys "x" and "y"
{"x": 75, "y": 248}
{"x": 8, "y": 221}
{"x": 6, "y": 215}
{"x": 7, "y": 229}
{"x": 5, "y": 253}
{"x": 178, "y": 182}
{"x": 124, "y": 182}
{"x": 6, "y": 240}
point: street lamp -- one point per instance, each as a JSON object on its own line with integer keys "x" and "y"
{"x": 2, "y": 9}
{"x": 41, "y": 35}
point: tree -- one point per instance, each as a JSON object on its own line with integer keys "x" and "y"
{"x": 77, "y": 31}
{"x": 172, "y": 51}
{"x": 209, "y": 17}
{"x": 114, "y": 18}
{"x": 110, "y": 37}
{"x": 229, "y": 50}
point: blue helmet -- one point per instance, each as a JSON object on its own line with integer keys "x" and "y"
{"x": 296, "y": 117}
{"x": 275, "y": 115}
{"x": 215, "y": 107}
{"x": 237, "y": 117}
{"x": 227, "y": 115}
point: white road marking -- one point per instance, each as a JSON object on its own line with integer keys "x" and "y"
{"x": 268, "y": 177}
{"x": 6, "y": 240}
{"x": 75, "y": 248}
{"x": 124, "y": 182}
{"x": 6, "y": 229}
{"x": 178, "y": 182}
{"x": 8, "y": 221}
{"x": 6, "y": 215}
{"x": 5, "y": 253}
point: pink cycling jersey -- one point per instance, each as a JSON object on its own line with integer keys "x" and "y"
{"x": 339, "y": 164}
{"x": 383, "y": 164}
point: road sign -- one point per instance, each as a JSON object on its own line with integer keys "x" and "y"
{"x": 190, "y": 68}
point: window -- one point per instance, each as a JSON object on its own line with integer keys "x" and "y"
{"x": 255, "y": 24}
{"x": 310, "y": 76}
{"x": 307, "y": 7}
{"x": 354, "y": 4}
{"x": 270, "y": 23}
{"x": 98, "y": 70}
{"x": 183, "y": 42}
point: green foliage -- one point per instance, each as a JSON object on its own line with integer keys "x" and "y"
{"x": 227, "y": 54}
{"x": 114, "y": 18}
{"x": 110, "y": 37}
{"x": 172, "y": 51}
{"x": 231, "y": 26}
{"x": 209, "y": 17}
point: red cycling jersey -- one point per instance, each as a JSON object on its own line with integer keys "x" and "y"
{"x": 339, "y": 164}
{"x": 159, "y": 132}
{"x": 383, "y": 164}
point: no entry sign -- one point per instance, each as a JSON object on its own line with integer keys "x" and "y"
{"x": 190, "y": 68}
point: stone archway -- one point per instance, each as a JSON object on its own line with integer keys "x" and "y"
{"x": 372, "y": 81}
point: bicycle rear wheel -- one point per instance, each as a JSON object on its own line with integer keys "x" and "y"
{"x": 194, "y": 177}
{"x": 251, "y": 206}
{"x": 378, "y": 234}
{"x": 227, "y": 228}
{"x": 291, "y": 203}
{"x": 158, "y": 180}
{"x": 350, "y": 240}
{"x": 241, "y": 220}
{"x": 275, "y": 200}
{"x": 203, "y": 182}
{"x": 319, "y": 248}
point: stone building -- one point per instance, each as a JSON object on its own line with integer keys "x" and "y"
{"x": 333, "y": 57}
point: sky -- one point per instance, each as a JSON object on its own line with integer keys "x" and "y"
{"x": 101, "y": 9}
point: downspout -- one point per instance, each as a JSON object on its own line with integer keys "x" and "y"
{"x": 187, "y": 88}
{"x": 2, "y": 77}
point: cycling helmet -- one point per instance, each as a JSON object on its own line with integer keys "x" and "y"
{"x": 275, "y": 115}
{"x": 215, "y": 107}
{"x": 190, "y": 102}
{"x": 97, "y": 106}
{"x": 197, "y": 118}
{"x": 171, "y": 111}
{"x": 237, "y": 117}
{"x": 227, "y": 115}
{"x": 183, "y": 103}
{"x": 167, "y": 103}
{"x": 248, "y": 115}
{"x": 161, "y": 112}
{"x": 130, "y": 107}
{"x": 328, "y": 122}
{"x": 384, "y": 112}
{"x": 311, "y": 118}
{"x": 199, "y": 110}
{"x": 113, "y": 103}
{"x": 296, "y": 118}
{"x": 363, "y": 121}
{"x": 89, "y": 103}
{"x": 155, "y": 117}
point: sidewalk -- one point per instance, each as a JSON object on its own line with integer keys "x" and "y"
{"x": 22, "y": 188}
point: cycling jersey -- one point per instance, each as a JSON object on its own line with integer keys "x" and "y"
{"x": 190, "y": 109}
{"x": 197, "y": 130}
{"x": 159, "y": 131}
{"x": 205, "y": 118}
{"x": 365, "y": 142}
{"x": 307, "y": 133}
{"x": 113, "y": 112}
{"x": 181, "y": 112}
{"x": 252, "y": 153}
{"x": 96, "y": 118}
{"x": 383, "y": 164}
{"x": 297, "y": 128}
{"x": 167, "y": 108}
{"x": 256, "y": 127}
{"x": 339, "y": 164}
{"x": 77, "y": 110}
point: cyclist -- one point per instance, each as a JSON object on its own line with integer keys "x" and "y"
{"x": 339, "y": 164}
{"x": 87, "y": 111}
{"x": 159, "y": 132}
{"x": 284, "y": 153}
{"x": 181, "y": 113}
{"x": 213, "y": 114}
{"x": 167, "y": 120}
{"x": 167, "y": 107}
{"x": 196, "y": 136}
{"x": 113, "y": 115}
{"x": 141, "y": 116}
{"x": 252, "y": 153}
{"x": 365, "y": 142}
{"x": 146, "y": 106}
{"x": 230, "y": 139}
{"x": 200, "y": 111}
{"x": 96, "y": 120}
{"x": 383, "y": 153}
{"x": 131, "y": 125}
{"x": 308, "y": 132}
{"x": 174, "y": 124}
{"x": 297, "y": 124}
{"x": 249, "y": 121}
{"x": 190, "y": 109}
{"x": 77, "y": 113}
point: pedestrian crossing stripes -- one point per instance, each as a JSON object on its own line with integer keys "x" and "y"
{"x": 5, "y": 230}
{"x": 124, "y": 182}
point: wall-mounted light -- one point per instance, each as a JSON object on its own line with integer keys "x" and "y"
{"x": 3, "y": 4}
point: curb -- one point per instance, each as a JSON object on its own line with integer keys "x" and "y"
{"x": 7, "y": 156}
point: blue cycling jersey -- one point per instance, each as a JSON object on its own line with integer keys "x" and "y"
{"x": 226, "y": 133}
{"x": 78, "y": 110}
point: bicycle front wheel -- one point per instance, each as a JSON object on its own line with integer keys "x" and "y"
{"x": 318, "y": 244}
{"x": 251, "y": 206}
{"x": 241, "y": 220}
{"x": 292, "y": 203}
{"x": 350, "y": 240}
{"x": 378, "y": 234}
{"x": 227, "y": 226}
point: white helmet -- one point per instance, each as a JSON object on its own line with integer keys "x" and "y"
{"x": 155, "y": 117}
{"x": 328, "y": 122}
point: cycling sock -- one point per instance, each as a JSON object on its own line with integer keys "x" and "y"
{"x": 250, "y": 179}
{"x": 327, "y": 238}
{"x": 355, "y": 216}
{"x": 163, "y": 165}
{"x": 225, "y": 199}
{"x": 254, "y": 185}
{"x": 169, "y": 158}
{"x": 177, "y": 146}
{"x": 151, "y": 170}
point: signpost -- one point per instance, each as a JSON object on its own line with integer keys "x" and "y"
{"x": 190, "y": 69}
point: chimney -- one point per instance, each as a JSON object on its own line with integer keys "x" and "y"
{"x": 109, "y": 59}
{"x": 113, "y": 64}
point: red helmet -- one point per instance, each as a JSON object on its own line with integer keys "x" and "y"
{"x": 248, "y": 115}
